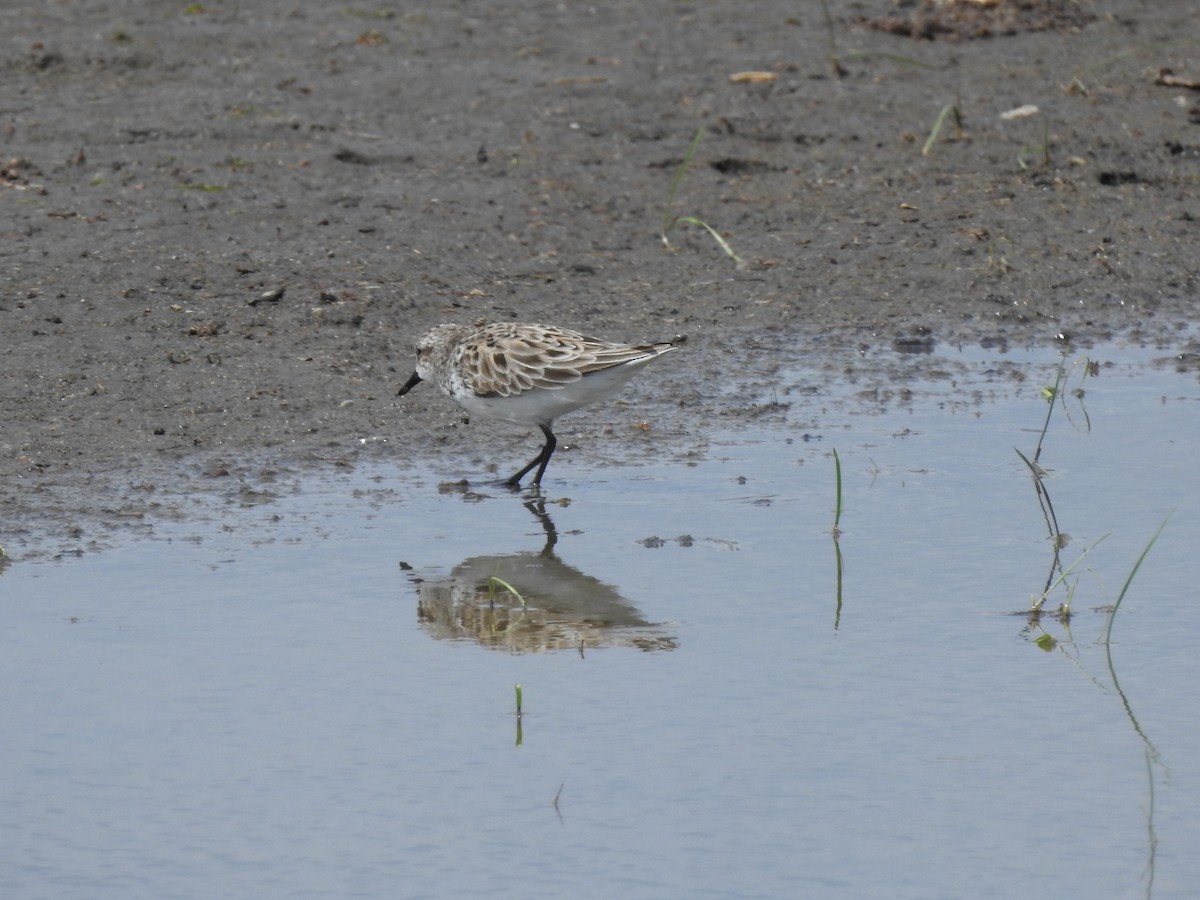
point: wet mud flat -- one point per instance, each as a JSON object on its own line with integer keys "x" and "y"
{"x": 223, "y": 226}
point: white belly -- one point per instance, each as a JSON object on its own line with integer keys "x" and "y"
{"x": 541, "y": 406}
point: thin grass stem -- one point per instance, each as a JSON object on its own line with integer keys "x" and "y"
{"x": 837, "y": 506}
{"x": 494, "y": 582}
{"x": 692, "y": 220}
{"x": 839, "y": 572}
{"x": 937, "y": 127}
{"x": 1076, "y": 83}
{"x": 669, "y": 220}
{"x": 1129, "y": 579}
{"x": 1037, "y": 604}
{"x": 1058, "y": 377}
{"x": 834, "y": 62}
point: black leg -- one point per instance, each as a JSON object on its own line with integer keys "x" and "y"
{"x": 547, "y": 452}
{"x": 541, "y": 460}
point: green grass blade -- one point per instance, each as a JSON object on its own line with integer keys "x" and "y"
{"x": 668, "y": 221}
{"x": 1129, "y": 580}
{"x": 1037, "y": 604}
{"x": 837, "y": 506}
{"x": 1053, "y": 393}
{"x": 692, "y": 220}
{"x": 937, "y": 128}
{"x": 1076, "y": 82}
{"x": 494, "y": 582}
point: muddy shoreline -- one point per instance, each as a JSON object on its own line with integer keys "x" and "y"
{"x": 224, "y": 225}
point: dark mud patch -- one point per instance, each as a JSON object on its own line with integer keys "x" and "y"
{"x": 972, "y": 19}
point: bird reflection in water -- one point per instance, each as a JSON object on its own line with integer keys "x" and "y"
{"x": 533, "y": 601}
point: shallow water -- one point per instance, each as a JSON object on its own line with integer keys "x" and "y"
{"x": 315, "y": 697}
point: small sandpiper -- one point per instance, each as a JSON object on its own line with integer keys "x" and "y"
{"x": 527, "y": 374}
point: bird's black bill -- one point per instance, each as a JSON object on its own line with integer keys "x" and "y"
{"x": 410, "y": 384}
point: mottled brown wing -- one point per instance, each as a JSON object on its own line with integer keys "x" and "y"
{"x": 511, "y": 362}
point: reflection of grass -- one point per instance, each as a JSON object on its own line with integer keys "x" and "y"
{"x": 839, "y": 567}
{"x": 1065, "y": 608}
{"x": 1055, "y": 393}
{"x": 1059, "y": 538}
{"x": 520, "y": 737}
{"x": 670, "y": 220}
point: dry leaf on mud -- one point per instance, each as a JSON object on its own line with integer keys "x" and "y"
{"x": 752, "y": 77}
{"x": 1170, "y": 79}
{"x": 1020, "y": 112}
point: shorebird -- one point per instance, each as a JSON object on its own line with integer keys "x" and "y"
{"x": 527, "y": 374}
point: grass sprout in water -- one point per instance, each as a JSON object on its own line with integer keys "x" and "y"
{"x": 1058, "y": 576}
{"x": 1059, "y": 539}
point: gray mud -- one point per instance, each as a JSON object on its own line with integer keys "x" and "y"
{"x": 225, "y": 223}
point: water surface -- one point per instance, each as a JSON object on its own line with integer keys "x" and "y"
{"x": 315, "y": 696}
